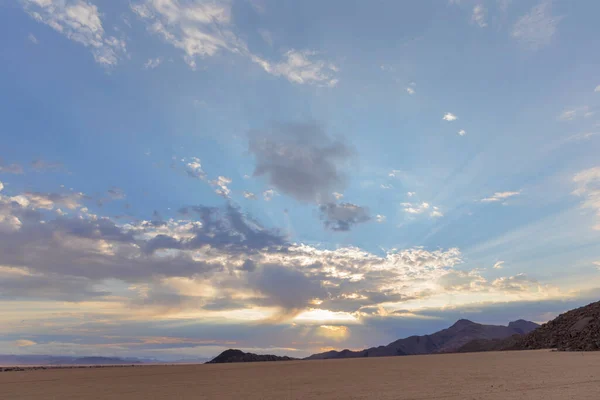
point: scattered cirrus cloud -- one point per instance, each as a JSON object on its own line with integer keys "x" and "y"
{"x": 478, "y": 17}
{"x": 588, "y": 187}
{"x": 576, "y": 112}
{"x": 13, "y": 168}
{"x": 40, "y": 165}
{"x": 449, "y": 117}
{"x": 79, "y": 21}
{"x": 204, "y": 29}
{"x": 498, "y": 265}
{"x": 535, "y": 29}
{"x": 597, "y": 89}
{"x": 32, "y": 38}
{"x": 153, "y": 63}
{"x": 499, "y": 196}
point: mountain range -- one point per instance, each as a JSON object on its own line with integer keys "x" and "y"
{"x": 445, "y": 341}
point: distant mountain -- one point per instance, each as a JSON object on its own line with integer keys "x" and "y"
{"x": 444, "y": 341}
{"x": 64, "y": 360}
{"x": 236, "y": 356}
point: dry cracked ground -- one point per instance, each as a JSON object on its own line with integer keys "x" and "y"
{"x": 538, "y": 374}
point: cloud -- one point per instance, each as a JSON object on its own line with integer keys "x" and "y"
{"x": 249, "y": 195}
{"x": 301, "y": 67}
{"x": 221, "y": 182}
{"x": 410, "y": 90}
{"x": 194, "y": 169}
{"x": 449, "y": 117}
{"x": 11, "y": 168}
{"x": 380, "y": 218}
{"x": 517, "y": 283}
{"x": 338, "y": 196}
{"x": 386, "y": 186}
{"x": 40, "y": 165}
{"x": 79, "y": 21}
{"x": 597, "y": 264}
{"x": 411, "y": 194}
{"x": 24, "y": 343}
{"x": 205, "y": 29}
{"x": 153, "y": 63}
{"x": 32, "y": 39}
{"x": 300, "y": 160}
{"x": 588, "y": 187}
{"x": 269, "y": 194}
{"x": 597, "y": 89}
{"x": 116, "y": 193}
{"x": 421, "y": 208}
{"x": 499, "y": 196}
{"x": 462, "y": 132}
{"x": 48, "y": 201}
{"x": 577, "y": 112}
{"x": 343, "y": 216}
{"x": 478, "y": 16}
{"x": 1, "y": 186}
{"x": 535, "y": 29}
{"x": 498, "y": 265}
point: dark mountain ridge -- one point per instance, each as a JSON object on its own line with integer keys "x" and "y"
{"x": 444, "y": 341}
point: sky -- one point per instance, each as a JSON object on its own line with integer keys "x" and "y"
{"x": 180, "y": 177}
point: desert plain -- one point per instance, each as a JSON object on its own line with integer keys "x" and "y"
{"x": 541, "y": 374}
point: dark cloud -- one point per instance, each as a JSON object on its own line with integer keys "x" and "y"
{"x": 343, "y": 216}
{"x": 300, "y": 160}
{"x": 116, "y": 193}
{"x": 285, "y": 287}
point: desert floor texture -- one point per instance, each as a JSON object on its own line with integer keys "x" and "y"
{"x": 504, "y": 375}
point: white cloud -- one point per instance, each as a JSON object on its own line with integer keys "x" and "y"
{"x": 1, "y": 186}
{"x": 411, "y": 194}
{"x": 410, "y": 90}
{"x": 576, "y": 112}
{"x": 79, "y": 21}
{"x": 204, "y": 29}
{"x": 386, "y": 186}
{"x": 478, "y": 16}
{"x": 498, "y": 265}
{"x": 421, "y": 208}
{"x": 597, "y": 89}
{"x": 535, "y": 29}
{"x": 337, "y": 195}
{"x": 32, "y": 38}
{"x": 194, "y": 168}
{"x": 269, "y": 194}
{"x": 449, "y": 117}
{"x": 249, "y": 195}
{"x": 499, "y": 196}
{"x": 153, "y": 63}
{"x": 597, "y": 264}
{"x": 462, "y": 132}
{"x": 301, "y": 67}
{"x": 24, "y": 343}
{"x": 221, "y": 182}
{"x": 588, "y": 187}
{"x": 380, "y": 218}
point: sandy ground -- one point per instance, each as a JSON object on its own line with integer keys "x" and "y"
{"x": 511, "y": 375}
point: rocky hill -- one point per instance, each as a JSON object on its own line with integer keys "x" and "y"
{"x": 444, "y": 341}
{"x": 575, "y": 330}
{"x": 235, "y": 356}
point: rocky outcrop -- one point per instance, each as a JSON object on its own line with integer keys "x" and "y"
{"x": 236, "y": 356}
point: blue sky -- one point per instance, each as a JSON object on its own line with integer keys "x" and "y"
{"x": 180, "y": 177}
